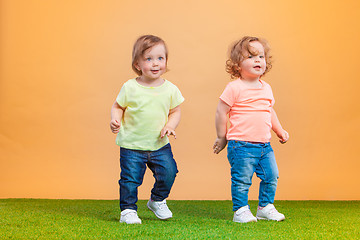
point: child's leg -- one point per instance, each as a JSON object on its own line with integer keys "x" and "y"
{"x": 163, "y": 166}
{"x": 243, "y": 161}
{"x": 133, "y": 166}
{"x": 267, "y": 171}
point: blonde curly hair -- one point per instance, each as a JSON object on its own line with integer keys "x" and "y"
{"x": 240, "y": 50}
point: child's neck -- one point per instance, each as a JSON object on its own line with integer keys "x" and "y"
{"x": 252, "y": 82}
{"x": 147, "y": 82}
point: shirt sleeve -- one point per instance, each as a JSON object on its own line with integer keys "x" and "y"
{"x": 121, "y": 98}
{"x": 176, "y": 98}
{"x": 272, "y": 96}
{"x": 228, "y": 95}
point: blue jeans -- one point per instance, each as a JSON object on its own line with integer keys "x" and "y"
{"x": 133, "y": 166}
{"x": 247, "y": 158}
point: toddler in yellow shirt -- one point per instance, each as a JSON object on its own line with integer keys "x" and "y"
{"x": 145, "y": 113}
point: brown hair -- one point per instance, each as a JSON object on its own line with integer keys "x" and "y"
{"x": 240, "y": 50}
{"x": 142, "y": 44}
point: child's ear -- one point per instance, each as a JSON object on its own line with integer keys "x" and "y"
{"x": 137, "y": 66}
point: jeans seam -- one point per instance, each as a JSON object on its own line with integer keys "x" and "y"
{"x": 265, "y": 187}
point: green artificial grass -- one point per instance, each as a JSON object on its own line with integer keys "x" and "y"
{"x": 99, "y": 219}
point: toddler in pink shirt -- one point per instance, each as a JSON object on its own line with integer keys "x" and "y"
{"x": 248, "y": 101}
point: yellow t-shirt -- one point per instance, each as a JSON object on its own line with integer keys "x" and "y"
{"x": 146, "y": 113}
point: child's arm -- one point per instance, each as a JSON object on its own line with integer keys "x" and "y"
{"x": 116, "y": 115}
{"x": 172, "y": 123}
{"x": 220, "y": 124}
{"x": 277, "y": 128}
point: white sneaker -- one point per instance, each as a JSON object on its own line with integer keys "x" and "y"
{"x": 243, "y": 215}
{"x": 269, "y": 213}
{"x": 129, "y": 216}
{"x": 160, "y": 209}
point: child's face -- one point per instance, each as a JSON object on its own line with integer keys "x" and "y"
{"x": 153, "y": 62}
{"x": 253, "y": 65}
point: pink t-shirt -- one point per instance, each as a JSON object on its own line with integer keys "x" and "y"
{"x": 250, "y": 113}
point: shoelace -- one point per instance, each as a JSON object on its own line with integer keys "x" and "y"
{"x": 248, "y": 213}
{"x": 273, "y": 211}
{"x": 130, "y": 214}
{"x": 162, "y": 205}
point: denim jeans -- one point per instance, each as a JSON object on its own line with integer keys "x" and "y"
{"x": 247, "y": 158}
{"x": 133, "y": 166}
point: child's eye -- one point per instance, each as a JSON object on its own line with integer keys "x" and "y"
{"x": 161, "y": 58}
{"x": 148, "y": 59}
{"x": 250, "y": 56}
{"x": 261, "y": 56}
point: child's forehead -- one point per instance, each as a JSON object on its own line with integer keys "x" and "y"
{"x": 156, "y": 49}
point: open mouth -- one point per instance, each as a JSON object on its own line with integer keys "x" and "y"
{"x": 154, "y": 71}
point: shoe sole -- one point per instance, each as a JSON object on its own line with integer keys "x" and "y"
{"x": 261, "y": 218}
{"x": 245, "y": 222}
{"x": 130, "y": 223}
{"x": 162, "y": 218}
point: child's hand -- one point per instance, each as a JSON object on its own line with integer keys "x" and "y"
{"x": 219, "y": 144}
{"x": 167, "y": 131}
{"x": 283, "y": 136}
{"x": 114, "y": 126}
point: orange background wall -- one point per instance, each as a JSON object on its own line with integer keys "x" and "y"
{"x": 62, "y": 63}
